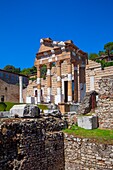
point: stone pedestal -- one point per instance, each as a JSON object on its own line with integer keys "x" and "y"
{"x": 87, "y": 122}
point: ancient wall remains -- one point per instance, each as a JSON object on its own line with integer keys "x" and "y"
{"x": 87, "y": 154}
{"x": 104, "y": 109}
{"x": 30, "y": 144}
{"x": 39, "y": 144}
{"x": 94, "y": 73}
{"x": 9, "y": 91}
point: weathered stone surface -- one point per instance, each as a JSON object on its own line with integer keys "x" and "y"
{"x": 87, "y": 122}
{"x": 55, "y": 113}
{"x": 25, "y": 110}
{"x": 5, "y": 114}
{"x": 104, "y": 108}
{"x": 86, "y": 104}
{"x": 31, "y": 144}
{"x": 71, "y": 118}
{"x": 31, "y": 110}
{"x": 87, "y": 154}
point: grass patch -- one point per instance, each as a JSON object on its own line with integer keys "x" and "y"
{"x": 99, "y": 135}
{"x": 6, "y": 106}
{"x": 42, "y": 107}
{"x": 10, "y": 105}
{"x": 2, "y": 106}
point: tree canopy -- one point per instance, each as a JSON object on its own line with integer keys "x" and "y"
{"x": 108, "y": 48}
{"x": 11, "y": 68}
{"x": 29, "y": 71}
{"x": 93, "y": 56}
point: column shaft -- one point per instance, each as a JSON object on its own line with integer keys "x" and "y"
{"x": 59, "y": 82}
{"x": 38, "y": 84}
{"x": 75, "y": 83}
{"x": 21, "y": 89}
{"x": 69, "y": 81}
{"x": 82, "y": 81}
{"x": 48, "y": 82}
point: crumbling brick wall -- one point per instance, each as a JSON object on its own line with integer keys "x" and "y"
{"x": 31, "y": 144}
{"x": 87, "y": 154}
{"x": 105, "y": 103}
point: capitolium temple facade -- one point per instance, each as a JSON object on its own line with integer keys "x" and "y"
{"x": 66, "y": 81}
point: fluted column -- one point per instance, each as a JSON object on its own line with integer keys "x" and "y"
{"x": 75, "y": 82}
{"x": 69, "y": 64}
{"x": 59, "y": 94}
{"x": 82, "y": 81}
{"x": 21, "y": 89}
{"x": 38, "y": 84}
{"x": 48, "y": 82}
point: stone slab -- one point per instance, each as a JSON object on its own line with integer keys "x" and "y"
{"x": 87, "y": 122}
{"x": 25, "y": 110}
{"x": 4, "y": 114}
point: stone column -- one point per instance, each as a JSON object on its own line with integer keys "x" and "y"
{"x": 69, "y": 64}
{"x": 82, "y": 81}
{"x": 48, "y": 82}
{"x": 59, "y": 83}
{"x": 38, "y": 84}
{"x": 20, "y": 89}
{"x": 75, "y": 82}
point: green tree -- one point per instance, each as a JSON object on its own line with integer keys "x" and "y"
{"x": 93, "y": 56}
{"x": 29, "y": 71}
{"x": 101, "y": 53}
{"x": 43, "y": 71}
{"x": 108, "y": 49}
{"x": 11, "y": 68}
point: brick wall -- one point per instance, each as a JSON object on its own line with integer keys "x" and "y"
{"x": 104, "y": 108}
{"x": 39, "y": 144}
{"x": 31, "y": 144}
{"x": 93, "y": 70}
{"x": 87, "y": 154}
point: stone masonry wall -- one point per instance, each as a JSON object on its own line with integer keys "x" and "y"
{"x": 34, "y": 144}
{"x": 94, "y": 73}
{"x": 9, "y": 91}
{"x": 104, "y": 108}
{"x": 33, "y": 84}
{"x": 85, "y": 154}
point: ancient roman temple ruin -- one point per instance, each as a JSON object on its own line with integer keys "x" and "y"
{"x": 62, "y": 85}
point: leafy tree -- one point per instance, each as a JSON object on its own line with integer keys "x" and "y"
{"x": 26, "y": 71}
{"x": 108, "y": 47}
{"x": 93, "y": 56}
{"x": 43, "y": 71}
{"x": 101, "y": 53}
{"x": 11, "y": 68}
{"x": 29, "y": 71}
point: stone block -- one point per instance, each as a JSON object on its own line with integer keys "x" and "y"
{"x": 25, "y": 110}
{"x": 87, "y": 122}
{"x": 4, "y": 114}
